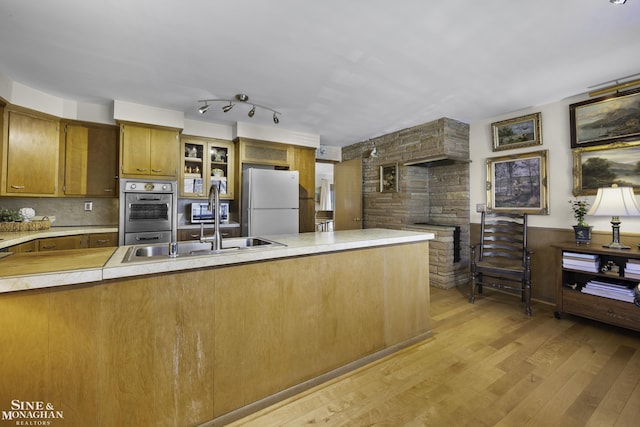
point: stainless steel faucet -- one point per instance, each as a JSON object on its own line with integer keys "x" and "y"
{"x": 214, "y": 206}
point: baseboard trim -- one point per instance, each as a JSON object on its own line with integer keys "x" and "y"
{"x": 306, "y": 385}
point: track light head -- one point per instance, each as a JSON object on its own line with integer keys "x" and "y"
{"x": 239, "y": 98}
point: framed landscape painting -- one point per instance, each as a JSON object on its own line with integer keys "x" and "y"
{"x": 601, "y": 166}
{"x": 517, "y": 133}
{"x": 604, "y": 120}
{"x": 518, "y": 183}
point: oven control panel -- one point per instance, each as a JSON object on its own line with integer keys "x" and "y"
{"x": 149, "y": 187}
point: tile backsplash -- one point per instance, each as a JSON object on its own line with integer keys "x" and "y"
{"x": 68, "y": 211}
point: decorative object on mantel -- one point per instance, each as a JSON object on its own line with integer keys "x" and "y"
{"x": 517, "y": 133}
{"x": 615, "y": 202}
{"x": 242, "y": 98}
{"x": 582, "y": 230}
{"x": 11, "y": 220}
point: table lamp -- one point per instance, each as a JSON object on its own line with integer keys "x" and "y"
{"x": 615, "y": 202}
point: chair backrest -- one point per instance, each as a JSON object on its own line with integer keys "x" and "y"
{"x": 503, "y": 237}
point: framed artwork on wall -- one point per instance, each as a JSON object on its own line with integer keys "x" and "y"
{"x": 601, "y": 166}
{"x": 517, "y": 133}
{"x": 604, "y": 120}
{"x": 389, "y": 178}
{"x": 518, "y": 183}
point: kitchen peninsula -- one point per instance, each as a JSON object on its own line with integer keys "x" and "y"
{"x": 208, "y": 339}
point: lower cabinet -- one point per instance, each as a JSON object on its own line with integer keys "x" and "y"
{"x": 31, "y": 246}
{"x": 185, "y": 234}
{"x": 103, "y": 240}
{"x": 78, "y": 241}
{"x": 61, "y": 243}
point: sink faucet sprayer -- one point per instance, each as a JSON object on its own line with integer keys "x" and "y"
{"x": 214, "y": 206}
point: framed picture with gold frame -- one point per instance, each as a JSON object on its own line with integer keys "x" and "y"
{"x": 389, "y": 178}
{"x": 603, "y": 165}
{"x": 518, "y": 183}
{"x": 519, "y": 132}
{"x": 605, "y": 120}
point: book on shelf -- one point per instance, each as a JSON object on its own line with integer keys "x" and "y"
{"x": 632, "y": 268}
{"x": 580, "y": 255}
{"x": 631, "y": 275}
{"x": 583, "y": 262}
{"x": 592, "y": 267}
{"x": 613, "y": 290}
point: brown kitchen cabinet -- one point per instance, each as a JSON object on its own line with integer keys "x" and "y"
{"x": 79, "y": 241}
{"x": 185, "y": 234}
{"x": 573, "y": 301}
{"x": 91, "y": 160}
{"x": 25, "y": 247}
{"x": 148, "y": 151}
{"x": 103, "y": 240}
{"x": 202, "y": 158}
{"x": 30, "y": 154}
{"x": 265, "y": 153}
{"x": 304, "y": 161}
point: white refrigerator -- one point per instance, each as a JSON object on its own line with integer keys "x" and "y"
{"x": 269, "y": 202}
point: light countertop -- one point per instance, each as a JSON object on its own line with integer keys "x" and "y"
{"x": 30, "y": 271}
{"x": 12, "y": 238}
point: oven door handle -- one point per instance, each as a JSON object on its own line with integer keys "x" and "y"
{"x": 149, "y": 199}
{"x": 145, "y": 239}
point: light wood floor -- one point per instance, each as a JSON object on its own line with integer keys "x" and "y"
{"x": 487, "y": 364}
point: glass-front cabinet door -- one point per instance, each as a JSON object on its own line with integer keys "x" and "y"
{"x": 205, "y": 161}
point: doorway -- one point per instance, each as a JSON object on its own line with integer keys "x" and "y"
{"x": 324, "y": 196}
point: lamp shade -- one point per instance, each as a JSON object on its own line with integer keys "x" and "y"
{"x": 615, "y": 201}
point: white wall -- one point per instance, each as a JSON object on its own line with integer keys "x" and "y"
{"x": 555, "y": 139}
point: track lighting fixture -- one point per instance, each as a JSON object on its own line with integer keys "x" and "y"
{"x": 617, "y": 1}
{"x": 241, "y": 97}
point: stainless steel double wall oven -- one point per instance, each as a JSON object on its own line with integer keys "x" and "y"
{"x": 148, "y": 211}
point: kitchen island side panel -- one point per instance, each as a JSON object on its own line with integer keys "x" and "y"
{"x": 183, "y": 348}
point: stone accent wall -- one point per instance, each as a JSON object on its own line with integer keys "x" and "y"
{"x": 436, "y": 194}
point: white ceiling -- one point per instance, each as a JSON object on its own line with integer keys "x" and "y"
{"x": 347, "y": 70}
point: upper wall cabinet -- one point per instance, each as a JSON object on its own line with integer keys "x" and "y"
{"x": 205, "y": 161}
{"x": 149, "y": 152}
{"x": 91, "y": 160}
{"x": 30, "y": 154}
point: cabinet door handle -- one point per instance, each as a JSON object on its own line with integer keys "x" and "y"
{"x": 51, "y": 246}
{"x": 194, "y": 235}
{"x": 108, "y": 190}
{"x": 102, "y": 241}
{"x": 141, "y": 169}
{"x": 17, "y": 187}
{"x": 156, "y": 170}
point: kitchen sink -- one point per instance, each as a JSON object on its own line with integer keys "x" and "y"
{"x": 196, "y": 248}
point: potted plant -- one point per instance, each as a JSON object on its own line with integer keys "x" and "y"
{"x": 582, "y": 230}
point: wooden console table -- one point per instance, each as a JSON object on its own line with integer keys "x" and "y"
{"x": 571, "y": 279}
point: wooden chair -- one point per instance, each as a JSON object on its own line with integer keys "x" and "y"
{"x": 503, "y": 260}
